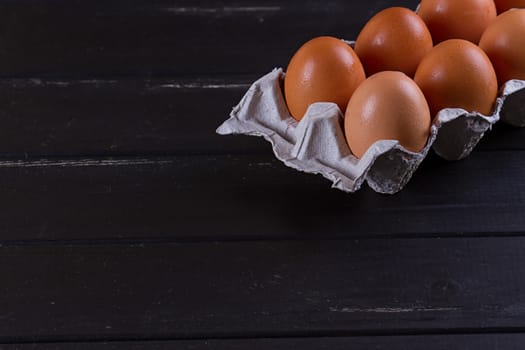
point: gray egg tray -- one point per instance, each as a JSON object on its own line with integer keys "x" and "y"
{"x": 317, "y": 144}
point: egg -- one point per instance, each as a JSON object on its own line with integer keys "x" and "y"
{"x": 504, "y": 43}
{"x": 394, "y": 39}
{"x": 504, "y": 5}
{"x": 325, "y": 69}
{"x": 387, "y": 106}
{"x": 458, "y": 74}
{"x": 457, "y": 19}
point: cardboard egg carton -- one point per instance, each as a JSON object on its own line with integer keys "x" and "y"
{"x": 317, "y": 143}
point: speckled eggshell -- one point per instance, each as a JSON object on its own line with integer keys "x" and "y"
{"x": 325, "y": 69}
{"x": 458, "y": 74}
{"x": 504, "y": 43}
{"x": 395, "y": 39}
{"x": 504, "y": 5}
{"x": 387, "y": 106}
{"x": 457, "y": 19}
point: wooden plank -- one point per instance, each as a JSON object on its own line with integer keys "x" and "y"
{"x": 430, "y": 342}
{"x": 503, "y": 137}
{"x": 49, "y": 117}
{"x": 226, "y": 197}
{"x": 61, "y": 117}
{"x": 167, "y": 37}
{"x": 261, "y": 289}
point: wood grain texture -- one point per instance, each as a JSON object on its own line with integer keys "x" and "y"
{"x": 53, "y": 117}
{"x": 167, "y": 37}
{"x": 101, "y": 117}
{"x": 261, "y": 289}
{"x": 126, "y": 222}
{"x": 255, "y": 197}
{"x": 429, "y": 342}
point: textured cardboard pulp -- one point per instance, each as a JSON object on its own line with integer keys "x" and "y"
{"x": 317, "y": 144}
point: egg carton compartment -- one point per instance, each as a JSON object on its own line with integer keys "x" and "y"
{"x": 513, "y": 109}
{"x": 460, "y": 131}
{"x": 317, "y": 143}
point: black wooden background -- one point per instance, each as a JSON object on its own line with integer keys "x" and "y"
{"x": 127, "y": 223}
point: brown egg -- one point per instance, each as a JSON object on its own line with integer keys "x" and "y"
{"x": 457, "y": 19}
{"x": 325, "y": 69}
{"x": 504, "y": 5}
{"x": 458, "y": 74}
{"x": 504, "y": 43}
{"x": 394, "y": 39}
{"x": 387, "y": 106}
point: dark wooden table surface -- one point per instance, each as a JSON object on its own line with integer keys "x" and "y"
{"x": 127, "y": 223}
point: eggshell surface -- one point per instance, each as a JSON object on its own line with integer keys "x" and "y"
{"x": 458, "y": 74}
{"x": 325, "y": 69}
{"x": 387, "y": 106}
{"x": 457, "y": 19}
{"x": 504, "y": 5}
{"x": 395, "y": 39}
{"x": 504, "y": 43}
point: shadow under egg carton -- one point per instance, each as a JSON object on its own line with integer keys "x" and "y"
{"x": 317, "y": 143}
